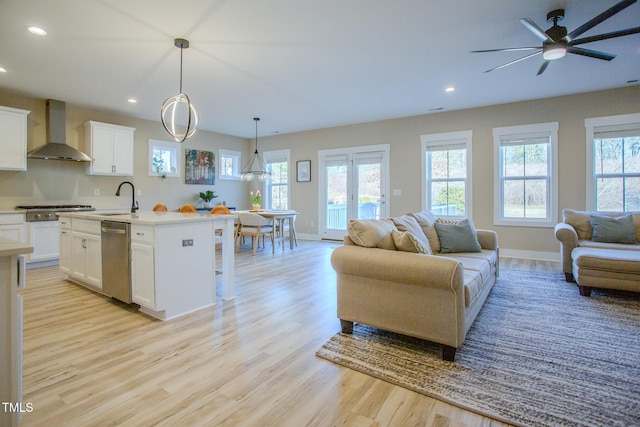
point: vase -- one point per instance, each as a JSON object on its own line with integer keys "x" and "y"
{"x": 207, "y": 205}
{"x": 256, "y": 206}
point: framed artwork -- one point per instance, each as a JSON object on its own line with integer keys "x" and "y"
{"x": 303, "y": 171}
{"x": 200, "y": 167}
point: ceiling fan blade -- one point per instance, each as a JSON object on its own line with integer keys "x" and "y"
{"x": 536, "y": 30}
{"x": 605, "y": 36}
{"x": 590, "y": 53}
{"x": 543, "y": 67}
{"x": 517, "y": 60}
{"x": 598, "y": 19}
{"x": 506, "y": 49}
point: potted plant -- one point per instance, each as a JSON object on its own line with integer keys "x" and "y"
{"x": 207, "y": 196}
{"x": 256, "y": 199}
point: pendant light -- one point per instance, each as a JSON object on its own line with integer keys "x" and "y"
{"x": 255, "y": 168}
{"x": 179, "y": 105}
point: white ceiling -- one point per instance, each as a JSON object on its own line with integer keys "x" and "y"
{"x": 300, "y": 64}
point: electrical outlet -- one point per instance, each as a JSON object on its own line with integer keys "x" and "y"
{"x": 187, "y": 242}
{"x": 96, "y": 191}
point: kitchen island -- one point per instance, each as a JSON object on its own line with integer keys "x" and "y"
{"x": 172, "y": 256}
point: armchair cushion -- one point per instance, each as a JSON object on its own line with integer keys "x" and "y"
{"x": 613, "y": 230}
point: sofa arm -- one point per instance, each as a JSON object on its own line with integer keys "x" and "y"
{"x": 488, "y": 239}
{"x": 568, "y": 238}
{"x": 396, "y": 266}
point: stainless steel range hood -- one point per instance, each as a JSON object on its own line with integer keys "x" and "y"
{"x": 56, "y": 147}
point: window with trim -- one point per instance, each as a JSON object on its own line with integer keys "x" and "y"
{"x": 164, "y": 158}
{"x": 229, "y": 166}
{"x": 277, "y": 188}
{"x": 613, "y": 168}
{"x": 526, "y": 182}
{"x": 447, "y": 172}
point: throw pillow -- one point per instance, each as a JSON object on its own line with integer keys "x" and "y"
{"x": 372, "y": 233}
{"x": 426, "y": 220}
{"x": 578, "y": 220}
{"x": 459, "y": 237}
{"x": 613, "y": 229}
{"x": 405, "y": 241}
{"x": 409, "y": 223}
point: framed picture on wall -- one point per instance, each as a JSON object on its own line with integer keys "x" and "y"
{"x": 200, "y": 167}
{"x": 303, "y": 171}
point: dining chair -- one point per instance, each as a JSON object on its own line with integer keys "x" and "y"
{"x": 160, "y": 208}
{"x": 188, "y": 208}
{"x": 254, "y": 225}
{"x": 223, "y": 210}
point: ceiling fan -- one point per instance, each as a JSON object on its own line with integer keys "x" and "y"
{"x": 556, "y": 42}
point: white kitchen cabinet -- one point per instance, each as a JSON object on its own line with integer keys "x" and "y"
{"x": 45, "y": 238}
{"x": 143, "y": 290}
{"x": 86, "y": 252}
{"x": 111, "y": 147}
{"x": 13, "y": 226}
{"x": 12, "y": 279}
{"x": 65, "y": 247}
{"x": 13, "y": 139}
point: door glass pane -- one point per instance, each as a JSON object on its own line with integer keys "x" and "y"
{"x": 336, "y": 174}
{"x": 368, "y": 189}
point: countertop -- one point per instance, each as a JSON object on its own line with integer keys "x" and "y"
{"x": 11, "y": 247}
{"x": 146, "y": 217}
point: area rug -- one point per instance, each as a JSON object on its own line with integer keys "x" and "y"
{"x": 538, "y": 354}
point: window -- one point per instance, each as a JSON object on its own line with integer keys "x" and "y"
{"x": 163, "y": 158}
{"x": 229, "y": 164}
{"x": 613, "y": 163}
{"x": 526, "y": 183}
{"x": 277, "y": 189}
{"x": 447, "y": 169}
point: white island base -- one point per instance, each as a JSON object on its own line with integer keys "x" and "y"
{"x": 172, "y": 258}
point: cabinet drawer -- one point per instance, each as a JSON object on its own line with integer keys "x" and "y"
{"x": 86, "y": 226}
{"x": 65, "y": 223}
{"x": 142, "y": 233}
{"x": 12, "y": 218}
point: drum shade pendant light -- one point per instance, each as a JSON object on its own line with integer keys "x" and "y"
{"x": 179, "y": 109}
{"x": 255, "y": 168}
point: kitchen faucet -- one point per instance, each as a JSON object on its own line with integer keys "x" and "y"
{"x": 134, "y": 204}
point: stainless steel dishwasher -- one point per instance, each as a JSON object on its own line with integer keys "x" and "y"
{"x": 116, "y": 263}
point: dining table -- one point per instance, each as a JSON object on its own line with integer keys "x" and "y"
{"x": 279, "y": 217}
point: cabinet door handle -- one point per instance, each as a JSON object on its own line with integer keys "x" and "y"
{"x": 139, "y": 234}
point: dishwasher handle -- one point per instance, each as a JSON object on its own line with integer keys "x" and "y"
{"x": 113, "y": 230}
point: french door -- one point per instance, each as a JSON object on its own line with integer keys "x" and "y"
{"x": 353, "y": 185}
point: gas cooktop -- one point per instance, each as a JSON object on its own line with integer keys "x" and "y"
{"x": 48, "y": 212}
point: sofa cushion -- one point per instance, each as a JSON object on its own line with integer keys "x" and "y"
{"x": 458, "y": 237}
{"x": 410, "y": 224}
{"x": 580, "y": 221}
{"x": 613, "y": 229}
{"x": 426, "y": 220}
{"x": 600, "y": 245}
{"x": 406, "y": 241}
{"x": 372, "y": 233}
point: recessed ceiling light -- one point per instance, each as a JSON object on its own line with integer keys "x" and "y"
{"x": 450, "y": 89}
{"x": 3, "y": 70}
{"x": 37, "y": 31}
{"x": 132, "y": 101}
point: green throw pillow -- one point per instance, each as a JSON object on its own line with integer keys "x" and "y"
{"x": 459, "y": 237}
{"x": 613, "y": 229}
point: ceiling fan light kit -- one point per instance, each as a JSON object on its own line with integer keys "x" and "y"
{"x": 556, "y": 42}
{"x": 179, "y": 105}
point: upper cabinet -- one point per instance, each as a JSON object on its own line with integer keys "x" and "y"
{"x": 111, "y": 147}
{"x": 13, "y": 139}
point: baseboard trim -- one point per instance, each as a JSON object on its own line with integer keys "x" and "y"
{"x": 533, "y": 255}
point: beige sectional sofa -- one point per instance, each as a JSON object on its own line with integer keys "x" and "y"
{"x": 396, "y": 277}
{"x": 594, "y": 259}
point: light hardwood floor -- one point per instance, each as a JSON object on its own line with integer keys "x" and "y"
{"x": 90, "y": 361}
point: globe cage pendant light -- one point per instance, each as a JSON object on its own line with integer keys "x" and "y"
{"x": 171, "y": 105}
{"x": 256, "y": 167}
